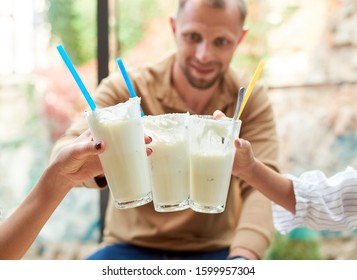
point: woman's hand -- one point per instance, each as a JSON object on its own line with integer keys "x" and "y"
{"x": 78, "y": 161}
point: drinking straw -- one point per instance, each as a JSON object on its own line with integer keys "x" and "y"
{"x": 127, "y": 80}
{"x": 76, "y": 77}
{"x": 251, "y": 85}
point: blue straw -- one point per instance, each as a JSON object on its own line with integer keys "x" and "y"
{"x": 76, "y": 77}
{"x": 126, "y": 78}
{"x": 127, "y": 81}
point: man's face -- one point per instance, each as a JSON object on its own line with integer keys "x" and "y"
{"x": 206, "y": 39}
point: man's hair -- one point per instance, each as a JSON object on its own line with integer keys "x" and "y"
{"x": 218, "y": 4}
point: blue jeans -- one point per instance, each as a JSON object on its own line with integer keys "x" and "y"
{"x": 124, "y": 251}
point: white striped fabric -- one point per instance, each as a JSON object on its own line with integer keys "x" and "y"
{"x": 321, "y": 203}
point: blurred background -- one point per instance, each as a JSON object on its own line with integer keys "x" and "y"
{"x": 310, "y": 47}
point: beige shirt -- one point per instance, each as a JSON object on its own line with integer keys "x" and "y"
{"x": 247, "y": 219}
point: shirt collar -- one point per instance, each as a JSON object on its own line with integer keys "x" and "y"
{"x": 224, "y": 95}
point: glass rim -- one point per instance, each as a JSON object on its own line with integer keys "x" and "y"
{"x": 166, "y": 114}
{"x": 210, "y": 118}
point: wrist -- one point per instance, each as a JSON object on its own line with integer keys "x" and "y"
{"x": 247, "y": 172}
{"x": 55, "y": 181}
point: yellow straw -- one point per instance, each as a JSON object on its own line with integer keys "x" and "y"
{"x": 251, "y": 85}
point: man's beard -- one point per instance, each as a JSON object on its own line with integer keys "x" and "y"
{"x": 200, "y": 83}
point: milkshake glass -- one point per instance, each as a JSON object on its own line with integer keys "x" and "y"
{"x": 211, "y": 160}
{"x": 169, "y": 161}
{"x": 124, "y": 160}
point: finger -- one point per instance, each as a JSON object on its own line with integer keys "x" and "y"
{"x": 148, "y": 151}
{"x": 85, "y": 149}
{"x": 98, "y": 145}
{"x": 85, "y": 136}
{"x": 241, "y": 143}
{"x": 218, "y": 114}
{"x": 148, "y": 139}
{"x": 238, "y": 143}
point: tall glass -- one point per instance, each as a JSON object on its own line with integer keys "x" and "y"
{"x": 169, "y": 161}
{"x": 211, "y": 159}
{"x": 124, "y": 160}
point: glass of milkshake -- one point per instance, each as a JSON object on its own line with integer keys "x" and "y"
{"x": 124, "y": 161}
{"x": 169, "y": 161}
{"x": 211, "y": 160}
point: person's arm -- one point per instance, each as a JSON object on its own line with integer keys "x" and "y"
{"x": 70, "y": 167}
{"x": 255, "y": 229}
{"x": 74, "y": 164}
{"x": 312, "y": 199}
{"x": 322, "y": 203}
{"x": 269, "y": 182}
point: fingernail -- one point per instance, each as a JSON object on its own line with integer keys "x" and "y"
{"x": 150, "y": 150}
{"x": 98, "y": 145}
{"x": 150, "y": 138}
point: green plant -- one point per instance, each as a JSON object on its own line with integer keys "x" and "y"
{"x": 301, "y": 244}
{"x": 132, "y": 19}
{"x": 74, "y": 23}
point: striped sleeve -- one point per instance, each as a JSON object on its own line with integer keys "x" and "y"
{"x": 321, "y": 203}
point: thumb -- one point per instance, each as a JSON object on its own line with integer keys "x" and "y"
{"x": 238, "y": 143}
{"x": 242, "y": 145}
{"x": 218, "y": 114}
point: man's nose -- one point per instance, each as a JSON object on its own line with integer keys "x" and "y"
{"x": 204, "y": 52}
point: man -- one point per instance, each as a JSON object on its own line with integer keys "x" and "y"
{"x": 199, "y": 80}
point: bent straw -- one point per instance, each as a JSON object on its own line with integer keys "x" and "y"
{"x": 251, "y": 85}
{"x": 127, "y": 80}
{"x": 76, "y": 77}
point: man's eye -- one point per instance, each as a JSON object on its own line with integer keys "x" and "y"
{"x": 194, "y": 37}
{"x": 221, "y": 42}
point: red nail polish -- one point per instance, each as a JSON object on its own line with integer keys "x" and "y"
{"x": 98, "y": 145}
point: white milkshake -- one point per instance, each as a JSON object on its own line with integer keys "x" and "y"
{"x": 124, "y": 160}
{"x": 210, "y": 176}
{"x": 169, "y": 161}
{"x": 211, "y": 159}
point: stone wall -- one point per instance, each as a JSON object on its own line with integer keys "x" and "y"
{"x": 312, "y": 74}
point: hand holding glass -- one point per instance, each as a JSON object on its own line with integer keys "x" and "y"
{"x": 124, "y": 161}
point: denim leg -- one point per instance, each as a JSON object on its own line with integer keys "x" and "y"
{"x": 125, "y": 251}
{"x": 212, "y": 255}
